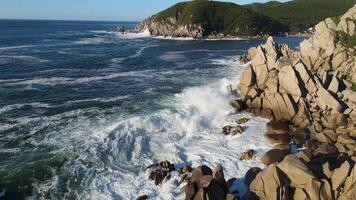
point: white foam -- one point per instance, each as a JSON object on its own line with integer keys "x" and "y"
{"x": 172, "y": 57}
{"x": 104, "y": 100}
{"x": 187, "y": 131}
{"x": 52, "y": 81}
{"x": 88, "y": 41}
{"x": 146, "y": 33}
{"x": 15, "y": 47}
{"x": 23, "y": 57}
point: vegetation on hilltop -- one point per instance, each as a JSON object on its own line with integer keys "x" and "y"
{"x": 299, "y": 15}
{"x": 220, "y": 17}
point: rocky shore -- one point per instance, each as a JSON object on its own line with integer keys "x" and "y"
{"x": 310, "y": 98}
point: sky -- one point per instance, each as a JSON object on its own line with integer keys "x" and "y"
{"x": 106, "y": 10}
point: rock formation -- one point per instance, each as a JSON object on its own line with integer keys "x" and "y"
{"x": 309, "y": 97}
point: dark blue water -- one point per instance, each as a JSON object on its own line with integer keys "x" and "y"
{"x": 78, "y": 105}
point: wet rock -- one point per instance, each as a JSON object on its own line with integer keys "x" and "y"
{"x": 143, "y": 197}
{"x": 160, "y": 172}
{"x": 242, "y": 120}
{"x": 273, "y": 156}
{"x": 233, "y": 130}
{"x": 276, "y": 138}
{"x": 186, "y": 169}
{"x": 277, "y": 126}
{"x": 251, "y": 175}
{"x": 248, "y": 155}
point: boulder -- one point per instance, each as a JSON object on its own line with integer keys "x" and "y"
{"x": 273, "y": 156}
{"x": 251, "y": 175}
{"x": 325, "y": 100}
{"x": 236, "y": 130}
{"x": 242, "y": 120}
{"x": 296, "y": 171}
{"x": 334, "y": 85}
{"x": 280, "y": 127}
{"x": 350, "y": 186}
{"x": 143, "y": 197}
{"x": 259, "y": 58}
{"x": 248, "y": 77}
{"x": 339, "y": 175}
{"x": 248, "y": 155}
{"x": 277, "y": 138}
{"x": 289, "y": 81}
{"x": 267, "y": 184}
{"x": 347, "y": 23}
{"x": 344, "y": 139}
{"x": 261, "y": 72}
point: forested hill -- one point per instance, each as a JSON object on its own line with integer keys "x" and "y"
{"x": 201, "y": 18}
{"x": 212, "y": 19}
{"x": 299, "y": 15}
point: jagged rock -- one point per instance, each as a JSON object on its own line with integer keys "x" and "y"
{"x": 273, "y": 156}
{"x": 267, "y": 184}
{"x": 143, "y": 197}
{"x": 334, "y": 85}
{"x": 326, "y": 100}
{"x": 339, "y": 175}
{"x": 289, "y": 81}
{"x": 238, "y": 104}
{"x": 186, "y": 169}
{"x": 325, "y": 149}
{"x": 261, "y": 72}
{"x": 350, "y": 186}
{"x": 248, "y": 155}
{"x": 344, "y": 139}
{"x": 242, "y": 120}
{"x": 272, "y": 86}
{"x": 331, "y": 134}
{"x": 347, "y": 24}
{"x": 296, "y": 171}
{"x": 278, "y": 138}
{"x": 279, "y": 127}
{"x": 160, "y": 172}
{"x": 305, "y": 155}
{"x": 248, "y": 77}
{"x": 259, "y": 58}
{"x": 233, "y": 130}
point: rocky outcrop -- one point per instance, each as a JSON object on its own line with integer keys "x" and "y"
{"x": 309, "y": 98}
{"x": 170, "y": 28}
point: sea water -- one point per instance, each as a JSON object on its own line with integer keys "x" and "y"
{"x": 84, "y": 111}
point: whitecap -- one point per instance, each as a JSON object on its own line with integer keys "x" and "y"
{"x": 188, "y": 130}
{"x": 129, "y": 35}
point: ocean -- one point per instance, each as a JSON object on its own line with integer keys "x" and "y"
{"x": 84, "y": 111}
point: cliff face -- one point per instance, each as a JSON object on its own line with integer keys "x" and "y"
{"x": 310, "y": 97}
{"x": 170, "y": 27}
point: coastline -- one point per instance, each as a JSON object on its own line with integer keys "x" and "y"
{"x": 311, "y": 105}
